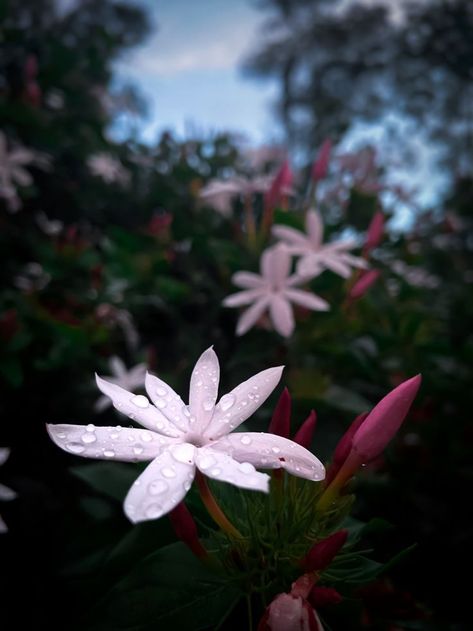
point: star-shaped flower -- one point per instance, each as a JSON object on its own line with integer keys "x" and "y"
{"x": 316, "y": 255}
{"x": 108, "y": 168}
{"x": 6, "y": 494}
{"x": 273, "y": 290}
{"x": 220, "y": 193}
{"x": 181, "y": 438}
{"x": 127, "y": 379}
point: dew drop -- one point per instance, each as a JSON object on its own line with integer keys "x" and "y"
{"x": 161, "y": 391}
{"x": 61, "y": 435}
{"x": 90, "y": 427}
{"x": 108, "y": 453}
{"x": 146, "y": 437}
{"x": 227, "y": 401}
{"x": 216, "y": 472}
{"x": 153, "y": 511}
{"x": 245, "y": 440}
{"x": 157, "y": 487}
{"x": 208, "y": 404}
{"x": 275, "y": 450}
{"x": 183, "y": 453}
{"x": 187, "y": 485}
{"x": 88, "y": 438}
{"x": 206, "y": 462}
{"x": 168, "y": 472}
{"x": 76, "y": 448}
{"x": 114, "y": 435}
{"x": 246, "y": 467}
{"x": 199, "y": 384}
{"x": 161, "y": 403}
{"x": 138, "y": 450}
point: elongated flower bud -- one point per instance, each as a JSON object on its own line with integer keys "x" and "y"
{"x": 323, "y": 596}
{"x": 305, "y": 433}
{"x": 375, "y": 232}
{"x": 366, "y": 280}
{"x": 320, "y": 166}
{"x": 382, "y": 423}
{"x": 323, "y": 552}
{"x": 280, "y": 186}
{"x": 186, "y": 530}
{"x": 281, "y": 419}
{"x": 343, "y": 448}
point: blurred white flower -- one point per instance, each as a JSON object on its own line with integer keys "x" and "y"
{"x": 13, "y": 172}
{"x": 415, "y": 276}
{"x": 127, "y": 379}
{"x": 220, "y": 193}
{"x": 6, "y": 494}
{"x": 51, "y": 227}
{"x": 108, "y": 168}
{"x": 180, "y": 439}
{"x": 33, "y": 278}
{"x": 316, "y": 255}
{"x": 273, "y": 290}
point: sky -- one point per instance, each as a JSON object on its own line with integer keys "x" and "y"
{"x": 189, "y": 69}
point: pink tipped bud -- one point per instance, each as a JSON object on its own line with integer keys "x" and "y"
{"x": 320, "y": 166}
{"x": 384, "y": 420}
{"x": 323, "y": 596}
{"x": 281, "y": 419}
{"x": 280, "y": 186}
{"x": 366, "y": 280}
{"x": 305, "y": 433}
{"x": 343, "y": 448}
{"x": 186, "y": 530}
{"x": 322, "y": 553}
{"x": 289, "y": 613}
{"x": 375, "y": 231}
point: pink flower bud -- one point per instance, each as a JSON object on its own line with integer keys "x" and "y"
{"x": 322, "y": 553}
{"x": 281, "y": 419}
{"x": 375, "y": 231}
{"x": 289, "y": 613}
{"x": 320, "y": 166}
{"x": 323, "y": 596}
{"x": 280, "y": 186}
{"x": 186, "y": 530}
{"x": 384, "y": 420}
{"x": 343, "y": 448}
{"x": 362, "y": 285}
{"x": 306, "y": 431}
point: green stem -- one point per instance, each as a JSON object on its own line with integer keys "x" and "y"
{"x": 250, "y": 613}
{"x": 214, "y": 509}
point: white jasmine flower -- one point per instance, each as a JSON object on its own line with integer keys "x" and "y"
{"x": 274, "y": 291}
{"x": 13, "y": 172}
{"x": 6, "y": 494}
{"x": 108, "y": 168}
{"x": 127, "y": 379}
{"x": 316, "y": 255}
{"x": 220, "y": 193}
{"x": 180, "y": 438}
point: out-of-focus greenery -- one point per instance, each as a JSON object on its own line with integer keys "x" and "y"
{"x": 138, "y": 269}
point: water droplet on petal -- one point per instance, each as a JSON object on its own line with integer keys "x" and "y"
{"x": 61, "y": 435}
{"x": 168, "y": 472}
{"x": 206, "y": 462}
{"x": 161, "y": 391}
{"x": 76, "y": 448}
{"x": 216, "y": 472}
{"x": 146, "y": 437}
{"x": 208, "y": 404}
{"x": 88, "y": 438}
{"x": 161, "y": 403}
{"x": 153, "y": 511}
{"x": 138, "y": 450}
{"x": 108, "y": 453}
{"x": 90, "y": 427}
{"x": 245, "y": 440}
{"x": 246, "y": 467}
{"x": 157, "y": 486}
{"x": 275, "y": 450}
{"x": 227, "y": 401}
{"x": 183, "y": 453}
{"x": 140, "y": 401}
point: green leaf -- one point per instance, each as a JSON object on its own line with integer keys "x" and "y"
{"x": 169, "y": 589}
{"x": 10, "y": 368}
{"x": 113, "y": 479}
